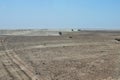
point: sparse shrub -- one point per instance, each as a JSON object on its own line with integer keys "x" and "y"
{"x": 70, "y": 36}
{"x": 79, "y": 30}
{"x": 118, "y": 39}
{"x": 44, "y": 44}
{"x": 64, "y": 46}
{"x": 72, "y": 30}
{"x": 60, "y": 33}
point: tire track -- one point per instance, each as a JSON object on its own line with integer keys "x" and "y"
{"x": 15, "y": 67}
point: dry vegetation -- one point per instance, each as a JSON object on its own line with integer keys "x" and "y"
{"x": 84, "y": 55}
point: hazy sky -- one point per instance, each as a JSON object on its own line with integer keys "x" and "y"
{"x": 98, "y": 14}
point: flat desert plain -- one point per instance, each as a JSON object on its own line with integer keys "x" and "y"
{"x": 84, "y": 55}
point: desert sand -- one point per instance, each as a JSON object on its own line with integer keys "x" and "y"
{"x": 82, "y": 55}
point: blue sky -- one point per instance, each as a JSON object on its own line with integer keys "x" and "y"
{"x": 88, "y": 14}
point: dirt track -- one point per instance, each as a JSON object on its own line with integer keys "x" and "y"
{"x": 82, "y": 57}
{"x": 16, "y": 68}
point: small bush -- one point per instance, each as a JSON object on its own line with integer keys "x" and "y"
{"x": 79, "y": 30}
{"x": 60, "y": 33}
{"x": 70, "y": 36}
{"x": 117, "y": 39}
{"x": 72, "y": 30}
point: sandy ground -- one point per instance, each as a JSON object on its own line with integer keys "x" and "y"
{"x": 72, "y": 56}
